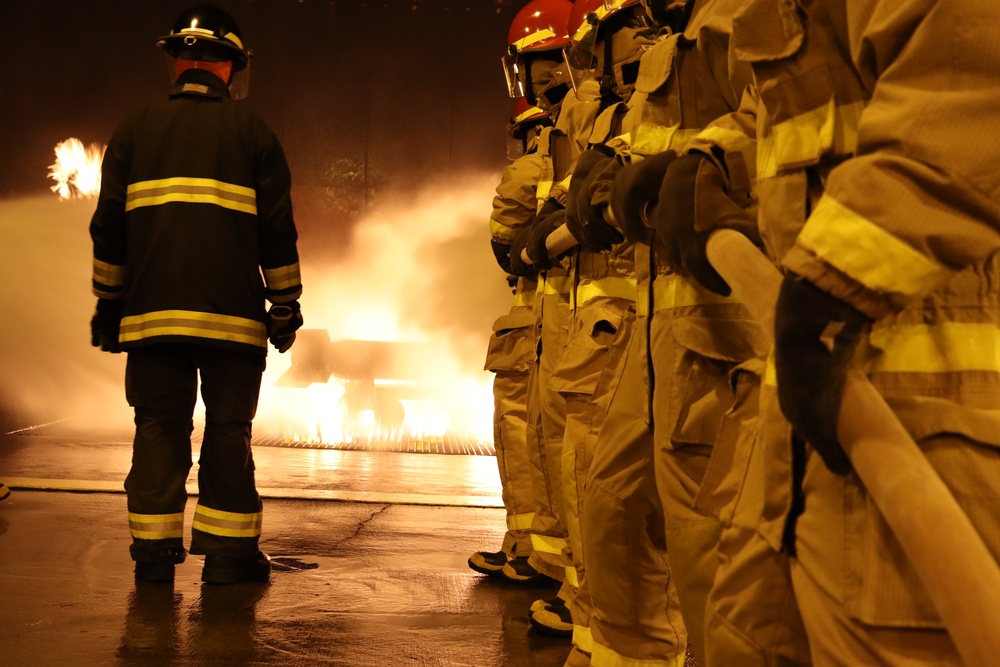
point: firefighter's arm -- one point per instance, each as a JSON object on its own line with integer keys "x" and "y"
{"x": 921, "y": 198}
{"x": 514, "y": 205}
{"x": 110, "y": 241}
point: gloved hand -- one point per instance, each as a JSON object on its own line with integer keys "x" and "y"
{"x": 532, "y": 240}
{"x": 283, "y": 320}
{"x": 815, "y": 336}
{"x": 501, "y": 251}
{"x": 694, "y": 201}
{"x": 636, "y": 190}
{"x": 589, "y": 197}
{"x": 105, "y": 325}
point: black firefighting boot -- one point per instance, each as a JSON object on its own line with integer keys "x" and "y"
{"x": 158, "y": 567}
{"x": 538, "y": 604}
{"x": 554, "y": 620}
{"x": 4, "y": 491}
{"x": 488, "y": 562}
{"x": 225, "y": 570}
{"x": 519, "y": 571}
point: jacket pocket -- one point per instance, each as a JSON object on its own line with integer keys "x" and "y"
{"x": 512, "y": 346}
{"x": 705, "y": 351}
{"x": 586, "y": 354}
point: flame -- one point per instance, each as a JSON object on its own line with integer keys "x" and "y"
{"x": 77, "y": 171}
{"x": 412, "y": 277}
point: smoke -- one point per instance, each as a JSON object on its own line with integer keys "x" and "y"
{"x": 418, "y": 269}
{"x": 49, "y": 371}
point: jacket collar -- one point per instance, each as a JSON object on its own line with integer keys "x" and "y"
{"x": 199, "y": 82}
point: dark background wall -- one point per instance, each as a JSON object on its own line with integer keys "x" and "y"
{"x": 370, "y": 98}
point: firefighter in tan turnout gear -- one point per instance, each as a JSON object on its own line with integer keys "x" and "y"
{"x": 511, "y": 352}
{"x": 194, "y": 208}
{"x": 534, "y": 68}
{"x": 888, "y": 236}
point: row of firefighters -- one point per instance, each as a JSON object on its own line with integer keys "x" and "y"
{"x": 677, "y": 472}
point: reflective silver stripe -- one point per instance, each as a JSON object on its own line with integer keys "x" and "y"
{"x": 193, "y": 191}
{"x": 192, "y": 323}
{"x": 156, "y": 526}
{"x": 226, "y": 524}
{"x": 112, "y": 275}
{"x": 282, "y": 277}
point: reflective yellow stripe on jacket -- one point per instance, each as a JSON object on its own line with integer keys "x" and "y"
{"x": 227, "y": 524}
{"x": 944, "y": 347}
{"x": 109, "y": 275}
{"x": 156, "y": 526}
{"x": 282, "y": 277}
{"x": 674, "y": 291}
{"x": 191, "y": 323}
{"x": 615, "y": 287}
{"x": 802, "y": 140}
{"x": 867, "y": 253}
{"x": 191, "y": 190}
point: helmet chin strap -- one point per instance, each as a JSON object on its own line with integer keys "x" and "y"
{"x": 222, "y": 69}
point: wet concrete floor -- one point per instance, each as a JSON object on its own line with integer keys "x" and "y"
{"x": 369, "y": 557}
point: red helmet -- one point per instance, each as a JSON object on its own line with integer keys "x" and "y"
{"x": 524, "y": 127}
{"x": 540, "y": 26}
{"x": 525, "y": 112}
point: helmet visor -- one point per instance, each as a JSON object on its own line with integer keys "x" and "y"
{"x": 513, "y": 75}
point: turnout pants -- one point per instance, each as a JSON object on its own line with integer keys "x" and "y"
{"x": 161, "y": 384}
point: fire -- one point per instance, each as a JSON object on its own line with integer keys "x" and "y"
{"x": 77, "y": 171}
{"x": 411, "y": 283}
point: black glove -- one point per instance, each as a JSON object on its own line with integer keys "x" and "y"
{"x": 283, "y": 320}
{"x": 636, "y": 190}
{"x": 105, "y": 325}
{"x": 589, "y": 196}
{"x": 815, "y": 336}
{"x": 518, "y": 266}
{"x": 501, "y": 251}
{"x": 693, "y": 203}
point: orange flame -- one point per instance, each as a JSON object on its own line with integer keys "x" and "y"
{"x": 77, "y": 171}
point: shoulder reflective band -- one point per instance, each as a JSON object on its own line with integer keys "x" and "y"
{"x": 192, "y": 191}
{"x": 282, "y": 277}
{"x": 156, "y": 526}
{"x": 802, "y": 140}
{"x": 226, "y": 524}
{"x": 867, "y": 253}
{"x": 192, "y": 323}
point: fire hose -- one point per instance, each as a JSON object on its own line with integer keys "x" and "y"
{"x": 957, "y": 570}
{"x": 951, "y": 560}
